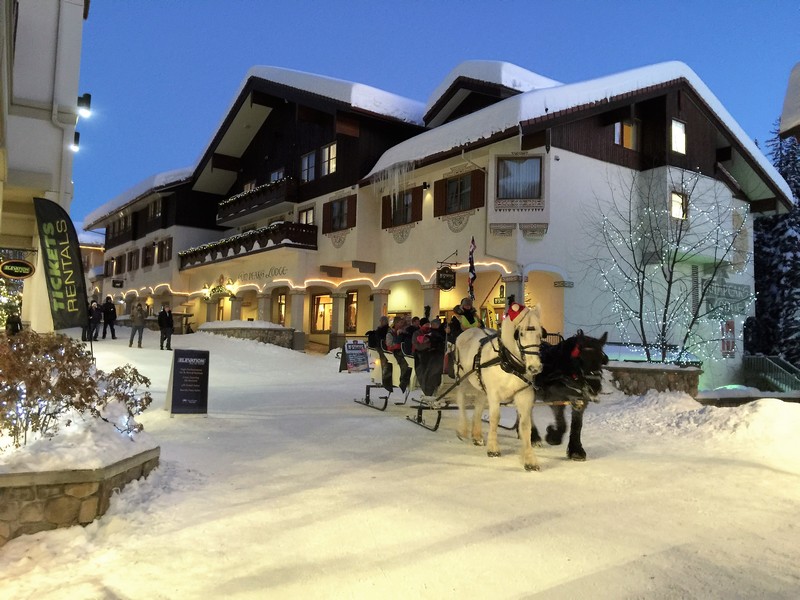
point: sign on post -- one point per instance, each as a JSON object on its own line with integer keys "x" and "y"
{"x": 355, "y": 357}
{"x": 188, "y": 382}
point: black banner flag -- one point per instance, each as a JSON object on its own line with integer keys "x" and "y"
{"x": 63, "y": 268}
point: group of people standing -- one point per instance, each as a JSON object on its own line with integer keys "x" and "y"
{"x": 426, "y": 341}
{"x": 107, "y": 315}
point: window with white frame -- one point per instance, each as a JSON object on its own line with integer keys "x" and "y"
{"x": 306, "y": 216}
{"x": 678, "y": 136}
{"x": 519, "y": 182}
{"x": 249, "y": 185}
{"x": 678, "y": 205}
{"x": 328, "y": 159}
{"x": 401, "y": 208}
{"x": 308, "y": 167}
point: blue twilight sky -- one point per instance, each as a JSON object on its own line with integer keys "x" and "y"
{"x": 162, "y": 73}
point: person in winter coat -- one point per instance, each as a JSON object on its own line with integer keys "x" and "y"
{"x": 137, "y": 323}
{"x": 13, "y": 324}
{"x": 166, "y": 325}
{"x": 465, "y": 317}
{"x": 109, "y": 317}
{"x": 95, "y": 316}
{"x": 395, "y": 338}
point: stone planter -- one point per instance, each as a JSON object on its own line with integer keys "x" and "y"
{"x": 33, "y": 502}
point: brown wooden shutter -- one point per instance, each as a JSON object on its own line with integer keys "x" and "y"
{"x": 439, "y": 197}
{"x": 326, "y": 218}
{"x": 351, "y": 211}
{"x": 386, "y": 212}
{"x": 416, "y": 204}
{"x": 477, "y": 189}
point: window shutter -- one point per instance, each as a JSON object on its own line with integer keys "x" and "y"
{"x": 386, "y": 212}
{"x": 326, "y": 218}
{"x": 439, "y": 197}
{"x": 416, "y": 204}
{"x": 351, "y": 211}
{"x": 477, "y": 189}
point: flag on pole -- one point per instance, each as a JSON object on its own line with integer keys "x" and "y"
{"x": 472, "y": 274}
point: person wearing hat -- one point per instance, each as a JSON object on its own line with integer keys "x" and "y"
{"x": 137, "y": 323}
{"x": 465, "y": 317}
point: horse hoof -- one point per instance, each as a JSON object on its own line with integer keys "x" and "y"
{"x": 577, "y": 455}
{"x": 493, "y": 454}
{"x": 553, "y": 436}
{"x": 532, "y": 468}
{"x": 477, "y": 442}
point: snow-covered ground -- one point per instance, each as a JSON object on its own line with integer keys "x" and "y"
{"x": 289, "y": 489}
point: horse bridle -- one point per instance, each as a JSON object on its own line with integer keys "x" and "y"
{"x": 525, "y": 349}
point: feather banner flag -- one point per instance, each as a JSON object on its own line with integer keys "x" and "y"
{"x": 472, "y": 275}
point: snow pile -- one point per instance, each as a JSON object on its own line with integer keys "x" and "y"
{"x": 298, "y": 492}
{"x": 86, "y": 443}
{"x": 768, "y": 421}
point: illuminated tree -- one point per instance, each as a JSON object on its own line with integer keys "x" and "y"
{"x": 665, "y": 243}
{"x": 10, "y": 291}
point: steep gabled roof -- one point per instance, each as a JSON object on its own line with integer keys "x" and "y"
{"x": 505, "y": 118}
{"x": 494, "y": 80}
{"x": 251, "y": 107}
{"x": 150, "y": 185}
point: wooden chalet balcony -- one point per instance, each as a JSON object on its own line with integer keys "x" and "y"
{"x": 260, "y": 198}
{"x": 277, "y": 235}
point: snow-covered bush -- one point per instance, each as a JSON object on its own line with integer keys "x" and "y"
{"x": 46, "y": 378}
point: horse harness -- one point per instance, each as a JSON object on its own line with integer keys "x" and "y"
{"x": 505, "y": 358}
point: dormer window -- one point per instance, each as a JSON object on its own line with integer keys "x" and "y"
{"x": 626, "y": 134}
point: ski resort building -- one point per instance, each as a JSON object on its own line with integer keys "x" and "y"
{"x": 322, "y": 204}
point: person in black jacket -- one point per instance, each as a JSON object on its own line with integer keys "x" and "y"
{"x": 95, "y": 316}
{"x": 13, "y": 324}
{"x": 166, "y": 325}
{"x": 109, "y": 317}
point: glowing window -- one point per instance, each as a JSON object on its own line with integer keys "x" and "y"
{"x": 678, "y": 206}
{"x": 678, "y": 136}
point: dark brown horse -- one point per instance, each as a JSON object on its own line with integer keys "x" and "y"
{"x": 571, "y": 374}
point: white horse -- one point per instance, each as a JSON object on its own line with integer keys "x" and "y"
{"x": 504, "y": 368}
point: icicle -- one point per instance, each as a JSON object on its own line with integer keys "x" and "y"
{"x": 392, "y": 180}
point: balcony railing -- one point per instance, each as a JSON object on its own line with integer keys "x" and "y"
{"x": 264, "y": 196}
{"x": 277, "y": 235}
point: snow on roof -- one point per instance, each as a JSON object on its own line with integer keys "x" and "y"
{"x": 88, "y": 238}
{"x": 357, "y": 95}
{"x": 790, "y": 117}
{"x": 492, "y": 71}
{"x": 509, "y": 113}
{"x": 140, "y": 189}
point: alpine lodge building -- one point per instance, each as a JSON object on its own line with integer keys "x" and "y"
{"x": 321, "y": 205}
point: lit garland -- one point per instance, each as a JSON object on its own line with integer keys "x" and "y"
{"x": 264, "y": 187}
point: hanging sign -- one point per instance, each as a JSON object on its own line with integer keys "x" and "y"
{"x": 16, "y": 268}
{"x": 446, "y": 278}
